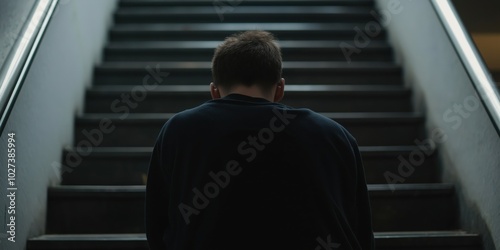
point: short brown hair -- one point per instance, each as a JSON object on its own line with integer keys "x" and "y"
{"x": 248, "y": 58}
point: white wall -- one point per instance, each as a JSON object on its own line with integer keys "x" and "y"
{"x": 13, "y": 14}
{"x": 470, "y": 151}
{"x": 43, "y": 116}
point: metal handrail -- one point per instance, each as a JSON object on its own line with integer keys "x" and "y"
{"x": 471, "y": 59}
{"x": 18, "y": 62}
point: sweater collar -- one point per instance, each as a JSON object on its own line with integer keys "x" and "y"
{"x": 240, "y": 97}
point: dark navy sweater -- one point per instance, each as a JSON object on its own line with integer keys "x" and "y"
{"x": 245, "y": 173}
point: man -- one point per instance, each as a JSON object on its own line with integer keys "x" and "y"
{"x": 244, "y": 172}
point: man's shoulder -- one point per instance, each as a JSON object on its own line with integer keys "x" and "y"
{"x": 321, "y": 124}
{"x": 304, "y": 119}
{"x": 190, "y": 114}
{"x": 317, "y": 120}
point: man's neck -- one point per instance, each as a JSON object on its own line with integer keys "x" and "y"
{"x": 252, "y": 91}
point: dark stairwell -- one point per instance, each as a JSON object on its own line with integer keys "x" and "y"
{"x": 157, "y": 63}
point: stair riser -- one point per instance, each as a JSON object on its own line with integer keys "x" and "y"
{"x": 91, "y": 215}
{"x": 410, "y": 245}
{"x": 214, "y": 17}
{"x": 104, "y": 245}
{"x": 69, "y": 214}
{"x": 182, "y": 78}
{"x": 193, "y": 54}
{"x": 413, "y": 213}
{"x": 292, "y": 76}
{"x": 124, "y": 170}
{"x": 145, "y": 133}
{"x": 219, "y": 35}
{"x": 171, "y": 102}
{"x": 143, "y": 3}
{"x": 452, "y": 242}
{"x": 410, "y": 168}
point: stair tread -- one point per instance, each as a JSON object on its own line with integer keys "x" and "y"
{"x": 202, "y": 31}
{"x": 146, "y": 151}
{"x": 403, "y": 234}
{"x": 204, "y": 89}
{"x": 247, "y": 10}
{"x": 101, "y": 237}
{"x": 292, "y": 50}
{"x": 126, "y": 3}
{"x": 161, "y": 117}
{"x": 244, "y": 14}
{"x": 157, "y": 45}
{"x": 199, "y": 72}
{"x": 138, "y": 190}
{"x": 128, "y": 166}
{"x": 411, "y": 207}
{"x": 320, "y": 98}
{"x": 235, "y": 27}
{"x": 375, "y": 66}
{"x": 428, "y": 239}
{"x": 140, "y": 236}
{"x": 139, "y": 241}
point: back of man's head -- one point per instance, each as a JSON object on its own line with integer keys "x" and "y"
{"x": 248, "y": 58}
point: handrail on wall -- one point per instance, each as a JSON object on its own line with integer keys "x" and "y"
{"x": 21, "y": 56}
{"x": 471, "y": 59}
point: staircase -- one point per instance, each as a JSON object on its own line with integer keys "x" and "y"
{"x": 157, "y": 63}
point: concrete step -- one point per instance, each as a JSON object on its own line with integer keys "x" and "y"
{"x": 419, "y": 240}
{"x": 199, "y": 73}
{"x": 244, "y": 14}
{"x": 320, "y": 98}
{"x": 199, "y": 51}
{"x": 171, "y": 3}
{"x": 119, "y": 209}
{"x": 129, "y": 166}
{"x": 218, "y": 31}
{"x": 141, "y": 130}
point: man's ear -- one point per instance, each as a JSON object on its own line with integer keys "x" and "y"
{"x": 280, "y": 90}
{"x": 214, "y": 91}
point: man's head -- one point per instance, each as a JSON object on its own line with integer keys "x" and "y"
{"x": 248, "y": 63}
